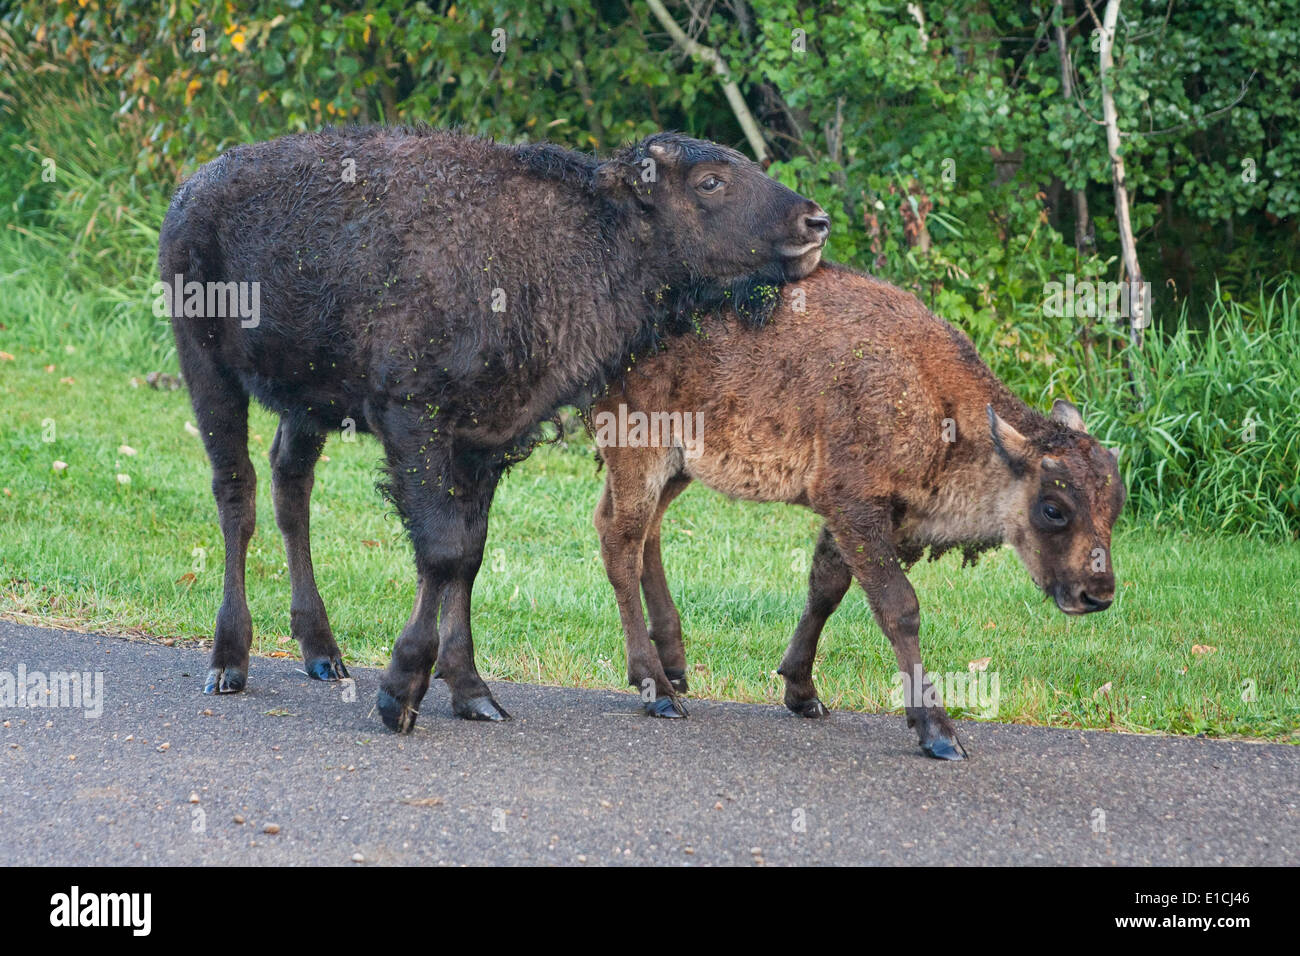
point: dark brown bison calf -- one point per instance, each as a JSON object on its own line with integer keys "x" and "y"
{"x": 446, "y": 294}
{"x": 881, "y": 418}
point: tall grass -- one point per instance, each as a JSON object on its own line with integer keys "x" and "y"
{"x": 81, "y": 219}
{"x": 1208, "y": 424}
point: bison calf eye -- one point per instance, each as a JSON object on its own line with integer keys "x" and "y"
{"x": 1052, "y": 514}
{"x": 709, "y": 184}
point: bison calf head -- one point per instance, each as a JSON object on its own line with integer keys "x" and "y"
{"x": 713, "y": 213}
{"x": 1058, "y": 514}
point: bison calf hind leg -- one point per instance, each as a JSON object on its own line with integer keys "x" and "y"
{"x": 294, "y": 454}
{"x": 665, "y": 622}
{"x": 828, "y": 581}
{"x": 623, "y": 529}
{"x": 221, "y": 408}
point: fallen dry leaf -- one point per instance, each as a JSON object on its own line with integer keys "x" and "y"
{"x": 126, "y": 450}
{"x": 1103, "y": 689}
{"x": 1203, "y": 649}
{"x": 370, "y": 544}
{"x": 68, "y": 381}
{"x": 980, "y": 664}
{"x": 60, "y": 466}
{"x": 187, "y": 578}
{"x": 6, "y": 357}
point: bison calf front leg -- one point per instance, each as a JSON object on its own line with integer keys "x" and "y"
{"x": 444, "y": 504}
{"x": 873, "y": 561}
{"x": 406, "y": 680}
{"x": 441, "y": 636}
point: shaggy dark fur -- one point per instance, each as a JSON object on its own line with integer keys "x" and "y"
{"x": 448, "y": 298}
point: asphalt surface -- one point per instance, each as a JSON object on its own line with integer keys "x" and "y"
{"x": 581, "y": 777}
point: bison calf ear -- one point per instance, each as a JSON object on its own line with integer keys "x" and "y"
{"x": 1065, "y": 413}
{"x": 625, "y": 182}
{"x": 663, "y": 151}
{"x": 1010, "y": 444}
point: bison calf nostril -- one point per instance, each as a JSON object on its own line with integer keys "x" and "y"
{"x": 1095, "y": 604}
{"x": 818, "y": 225}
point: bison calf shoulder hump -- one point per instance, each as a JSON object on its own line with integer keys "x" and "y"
{"x": 447, "y": 294}
{"x": 858, "y": 403}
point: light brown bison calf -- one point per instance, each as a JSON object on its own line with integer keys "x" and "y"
{"x": 858, "y": 403}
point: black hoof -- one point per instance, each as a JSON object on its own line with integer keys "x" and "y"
{"x": 225, "y": 680}
{"x": 669, "y": 707}
{"x": 326, "y": 668}
{"x": 944, "y": 749}
{"x": 396, "y": 715}
{"x": 809, "y": 708}
{"x": 678, "y": 680}
{"x": 481, "y": 708}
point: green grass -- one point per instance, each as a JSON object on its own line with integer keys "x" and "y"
{"x": 79, "y": 548}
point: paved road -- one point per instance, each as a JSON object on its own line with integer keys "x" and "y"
{"x": 580, "y": 777}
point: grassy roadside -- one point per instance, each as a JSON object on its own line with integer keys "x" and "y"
{"x": 81, "y": 547}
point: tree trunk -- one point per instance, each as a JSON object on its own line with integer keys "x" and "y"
{"x": 1083, "y": 239}
{"x": 1110, "y": 118}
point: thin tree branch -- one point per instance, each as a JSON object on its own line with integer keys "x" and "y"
{"x": 730, "y": 89}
